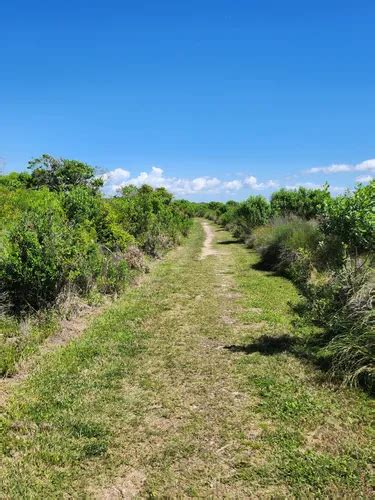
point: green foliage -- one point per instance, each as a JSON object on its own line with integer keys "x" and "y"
{"x": 42, "y": 254}
{"x": 343, "y": 304}
{"x": 253, "y": 212}
{"x": 287, "y": 246}
{"x": 30, "y": 263}
{"x": 351, "y": 218}
{"x": 151, "y": 217}
{"x": 58, "y": 232}
{"x": 59, "y": 174}
{"x": 15, "y": 180}
{"x": 306, "y": 203}
{"x": 339, "y": 292}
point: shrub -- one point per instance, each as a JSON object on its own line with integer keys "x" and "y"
{"x": 351, "y": 218}
{"x": 33, "y": 263}
{"x": 339, "y": 292}
{"x": 253, "y": 212}
{"x": 135, "y": 258}
{"x": 302, "y": 202}
{"x": 151, "y": 217}
{"x": 114, "y": 273}
{"x": 287, "y": 245}
{"x": 57, "y": 232}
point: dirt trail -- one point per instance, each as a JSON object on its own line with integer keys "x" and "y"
{"x": 188, "y": 441}
{"x": 208, "y": 248}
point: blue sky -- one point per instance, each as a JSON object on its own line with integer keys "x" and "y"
{"x": 214, "y": 99}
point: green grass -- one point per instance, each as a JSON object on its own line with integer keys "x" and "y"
{"x": 148, "y": 401}
{"x": 19, "y": 339}
{"x": 319, "y": 434}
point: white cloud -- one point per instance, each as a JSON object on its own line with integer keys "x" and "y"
{"x": 233, "y": 185}
{"x": 253, "y": 183}
{"x": 115, "y": 178}
{"x": 118, "y": 178}
{"x": 368, "y": 165}
{"x": 364, "y": 178}
{"x": 309, "y": 185}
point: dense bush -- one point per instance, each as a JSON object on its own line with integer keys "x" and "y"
{"x": 351, "y": 218}
{"x": 41, "y": 254}
{"x": 288, "y": 245}
{"x": 151, "y": 217}
{"x": 57, "y": 232}
{"x": 303, "y": 202}
{"x": 343, "y": 305}
{"x": 253, "y": 212}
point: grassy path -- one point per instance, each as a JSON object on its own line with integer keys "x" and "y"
{"x": 175, "y": 392}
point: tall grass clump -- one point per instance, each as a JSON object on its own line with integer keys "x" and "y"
{"x": 343, "y": 305}
{"x": 287, "y": 245}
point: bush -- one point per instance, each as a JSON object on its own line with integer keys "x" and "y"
{"x": 351, "y": 218}
{"x": 43, "y": 254}
{"x": 151, "y": 217}
{"x": 339, "y": 292}
{"x": 33, "y": 263}
{"x": 57, "y": 232}
{"x": 287, "y": 245}
{"x": 253, "y": 212}
{"x": 305, "y": 203}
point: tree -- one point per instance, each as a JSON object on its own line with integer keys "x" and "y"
{"x": 60, "y": 174}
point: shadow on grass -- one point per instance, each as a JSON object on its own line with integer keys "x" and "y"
{"x": 229, "y": 242}
{"x": 269, "y": 345}
{"x": 266, "y": 345}
{"x": 264, "y": 266}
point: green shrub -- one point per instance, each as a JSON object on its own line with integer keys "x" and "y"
{"x": 351, "y": 218}
{"x": 287, "y": 245}
{"x": 339, "y": 292}
{"x": 302, "y": 202}
{"x": 33, "y": 264}
{"x": 114, "y": 273}
{"x": 57, "y": 232}
{"x": 151, "y": 217}
{"x": 253, "y": 212}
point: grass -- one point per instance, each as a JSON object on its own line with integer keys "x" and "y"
{"x": 147, "y": 402}
{"x": 320, "y": 434}
{"x": 19, "y": 339}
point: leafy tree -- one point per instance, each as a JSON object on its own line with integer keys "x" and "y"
{"x": 59, "y": 174}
